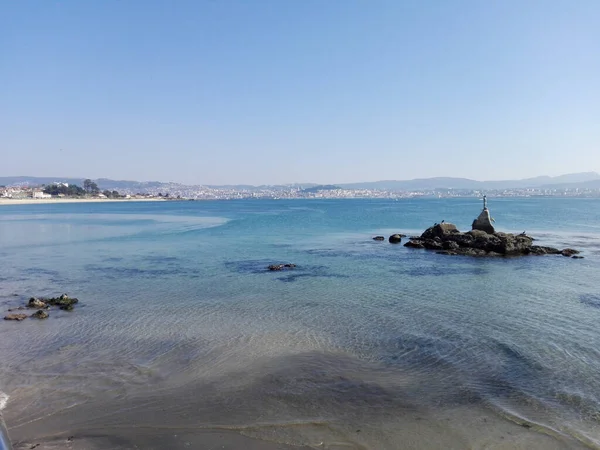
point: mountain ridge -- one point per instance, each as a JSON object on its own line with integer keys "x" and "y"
{"x": 571, "y": 180}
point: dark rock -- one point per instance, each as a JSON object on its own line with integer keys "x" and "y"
{"x": 379, "y": 238}
{"x": 289, "y": 266}
{"x": 40, "y": 314}
{"x": 395, "y": 239}
{"x": 414, "y": 243}
{"x": 67, "y": 307}
{"x": 35, "y": 303}
{"x": 433, "y": 244}
{"x": 450, "y": 245}
{"x": 569, "y": 252}
{"x": 18, "y": 317}
{"x": 577, "y": 257}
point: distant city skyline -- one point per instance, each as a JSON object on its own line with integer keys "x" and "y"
{"x": 271, "y": 92}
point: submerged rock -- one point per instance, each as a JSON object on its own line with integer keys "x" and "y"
{"x": 395, "y": 238}
{"x": 18, "y": 317}
{"x": 278, "y": 267}
{"x": 40, "y": 315}
{"x": 541, "y": 250}
{"x": 379, "y": 238}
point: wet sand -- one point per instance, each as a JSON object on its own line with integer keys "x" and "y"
{"x": 476, "y": 430}
{"x": 286, "y": 403}
{"x": 153, "y": 439}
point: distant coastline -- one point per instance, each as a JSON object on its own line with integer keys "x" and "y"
{"x": 48, "y": 201}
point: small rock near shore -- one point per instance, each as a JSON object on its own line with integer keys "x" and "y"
{"x": 18, "y": 317}
{"x": 395, "y": 238}
{"x": 379, "y": 238}
{"x": 62, "y": 300}
{"x": 40, "y": 315}
{"x": 36, "y": 303}
{"x": 569, "y": 252}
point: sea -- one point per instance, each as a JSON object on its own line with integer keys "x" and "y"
{"x": 181, "y": 331}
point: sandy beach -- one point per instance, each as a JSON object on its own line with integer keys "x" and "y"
{"x": 51, "y": 201}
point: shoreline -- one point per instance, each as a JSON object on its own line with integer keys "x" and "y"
{"x": 50, "y": 201}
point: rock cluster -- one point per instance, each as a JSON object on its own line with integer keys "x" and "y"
{"x": 63, "y": 302}
{"x": 446, "y": 239}
{"x": 395, "y": 238}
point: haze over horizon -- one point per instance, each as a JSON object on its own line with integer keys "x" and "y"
{"x": 272, "y": 92}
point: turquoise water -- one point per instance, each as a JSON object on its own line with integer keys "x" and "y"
{"x": 180, "y": 322}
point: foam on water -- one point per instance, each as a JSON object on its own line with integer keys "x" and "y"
{"x": 3, "y": 400}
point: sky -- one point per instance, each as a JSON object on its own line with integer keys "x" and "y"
{"x": 284, "y": 91}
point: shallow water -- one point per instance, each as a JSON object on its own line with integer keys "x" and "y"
{"x": 181, "y": 325}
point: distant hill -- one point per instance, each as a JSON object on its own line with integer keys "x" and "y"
{"x": 591, "y": 184}
{"x": 465, "y": 183}
{"x": 103, "y": 183}
{"x": 574, "y": 180}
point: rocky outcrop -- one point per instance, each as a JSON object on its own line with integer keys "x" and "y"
{"x": 40, "y": 315}
{"x": 446, "y": 239}
{"x": 395, "y": 239}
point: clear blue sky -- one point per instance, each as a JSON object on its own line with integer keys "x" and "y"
{"x": 279, "y": 91}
